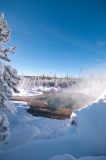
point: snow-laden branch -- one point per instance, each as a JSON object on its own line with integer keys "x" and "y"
{"x": 4, "y": 38}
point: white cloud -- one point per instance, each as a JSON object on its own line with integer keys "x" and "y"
{"x": 97, "y": 60}
{"x": 54, "y": 25}
{"x": 67, "y": 53}
{"x": 76, "y": 52}
{"x": 100, "y": 43}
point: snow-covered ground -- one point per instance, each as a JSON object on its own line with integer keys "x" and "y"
{"x": 35, "y": 90}
{"x": 23, "y": 122}
{"x": 81, "y": 137}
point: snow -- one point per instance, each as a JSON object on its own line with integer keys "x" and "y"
{"x": 63, "y": 157}
{"x": 49, "y": 139}
{"x": 25, "y": 118}
{"x": 22, "y": 137}
{"x": 69, "y": 157}
{"x": 43, "y": 135}
{"x": 93, "y": 158}
{"x": 27, "y": 92}
{"x": 23, "y": 123}
{"x": 35, "y": 90}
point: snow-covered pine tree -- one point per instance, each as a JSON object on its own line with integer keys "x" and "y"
{"x": 8, "y": 80}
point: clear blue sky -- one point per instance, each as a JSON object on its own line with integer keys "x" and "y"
{"x": 57, "y": 35}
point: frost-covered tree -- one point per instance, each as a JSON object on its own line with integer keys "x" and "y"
{"x": 8, "y": 80}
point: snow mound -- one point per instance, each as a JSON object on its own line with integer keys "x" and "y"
{"x": 92, "y": 158}
{"x": 22, "y": 137}
{"x": 43, "y": 135}
{"x": 69, "y": 157}
{"x": 25, "y": 118}
{"x": 63, "y": 157}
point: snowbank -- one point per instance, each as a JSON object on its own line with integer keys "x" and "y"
{"x": 69, "y": 157}
{"x": 22, "y": 137}
{"x": 25, "y": 118}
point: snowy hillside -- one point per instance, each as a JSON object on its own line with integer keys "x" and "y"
{"x": 42, "y": 138}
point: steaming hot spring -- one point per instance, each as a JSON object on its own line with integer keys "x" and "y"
{"x": 57, "y": 105}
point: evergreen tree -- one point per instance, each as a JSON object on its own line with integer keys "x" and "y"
{"x": 8, "y": 80}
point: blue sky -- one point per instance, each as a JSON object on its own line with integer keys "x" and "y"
{"x": 56, "y": 36}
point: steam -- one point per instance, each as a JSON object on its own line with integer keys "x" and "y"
{"x": 91, "y": 87}
{"x": 87, "y": 91}
{"x": 82, "y": 93}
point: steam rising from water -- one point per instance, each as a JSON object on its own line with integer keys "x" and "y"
{"x": 91, "y": 87}
{"x": 81, "y": 94}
